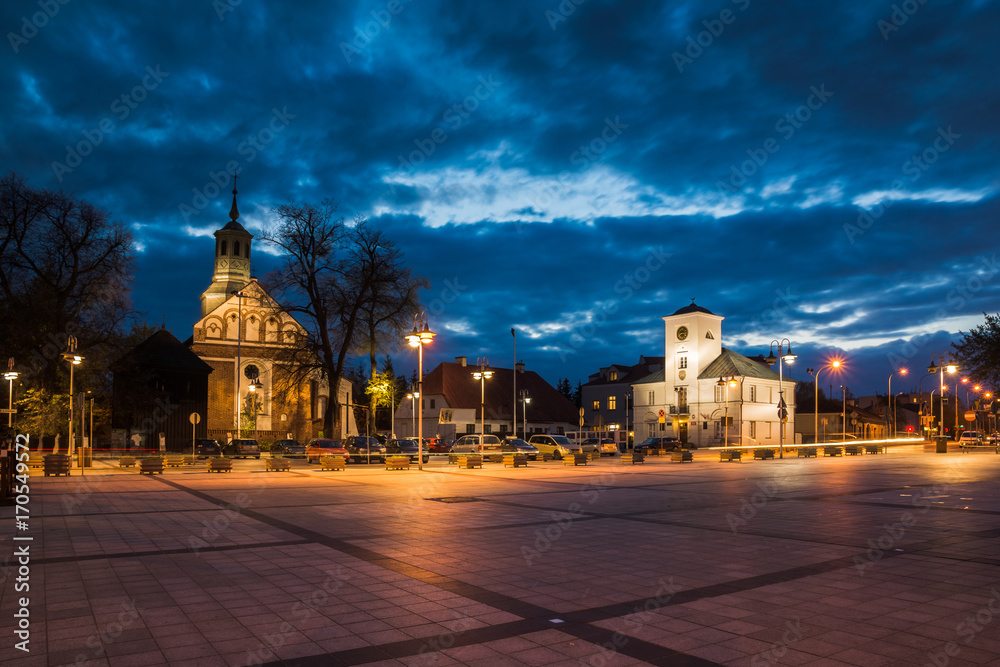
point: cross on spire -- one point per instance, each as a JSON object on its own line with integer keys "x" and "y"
{"x": 234, "y": 212}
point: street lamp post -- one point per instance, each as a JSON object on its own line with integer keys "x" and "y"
{"x": 940, "y": 369}
{"x": 901, "y": 371}
{"x": 726, "y": 384}
{"x": 815, "y": 373}
{"x": 255, "y": 387}
{"x": 788, "y": 357}
{"x": 418, "y": 338}
{"x": 10, "y": 376}
{"x": 74, "y": 359}
{"x": 413, "y": 396}
{"x": 483, "y": 374}
{"x": 525, "y": 399}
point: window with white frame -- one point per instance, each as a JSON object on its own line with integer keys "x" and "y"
{"x": 652, "y": 398}
{"x": 682, "y": 362}
{"x": 753, "y": 395}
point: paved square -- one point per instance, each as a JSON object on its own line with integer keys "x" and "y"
{"x": 864, "y": 560}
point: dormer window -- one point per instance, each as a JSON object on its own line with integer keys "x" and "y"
{"x": 613, "y": 376}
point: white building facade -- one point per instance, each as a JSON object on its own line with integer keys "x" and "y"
{"x": 707, "y": 395}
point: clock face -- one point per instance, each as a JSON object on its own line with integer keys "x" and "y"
{"x": 682, "y": 333}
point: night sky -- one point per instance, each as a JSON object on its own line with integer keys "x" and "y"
{"x": 819, "y": 171}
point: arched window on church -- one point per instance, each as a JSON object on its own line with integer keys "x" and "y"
{"x": 253, "y": 328}
{"x": 271, "y": 330}
{"x": 236, "y": 248}
{"x": 232, "y": 327}
{"x": 248, "y": 250}
{"x": 222, "y": 248}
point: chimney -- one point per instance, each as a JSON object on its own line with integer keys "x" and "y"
{"x": 519, "y": 366}
{"x": 460, "y": 361}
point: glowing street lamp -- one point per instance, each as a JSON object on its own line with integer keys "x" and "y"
{"x": 10, "y": 376}
{"x": 483, "y": 374}
{"x": 901, "y": 371}
{"x": 418, "y": 338}
{"x": 940, "y": 369}
{"x": 413, "y": 396}
{"x": 786, "y": 357}
{"x": 835, "y": 364}
{"x": 74, "y": 359}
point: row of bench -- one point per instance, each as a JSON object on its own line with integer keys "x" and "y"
{"x": 805, "y": 452}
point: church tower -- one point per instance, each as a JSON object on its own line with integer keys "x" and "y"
{"x": 232, "y": 262}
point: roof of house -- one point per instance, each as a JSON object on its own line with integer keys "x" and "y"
{"x": 692, "y": 308}
{"x": 162, "y": 350}
{"x": 727, "y": 364}
{"x": 461, "y": 390}
{"x": 628, "y": 374}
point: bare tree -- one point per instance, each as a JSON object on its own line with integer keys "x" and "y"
{"x": 65, "y": 269}
{"x": 335, "y": 275}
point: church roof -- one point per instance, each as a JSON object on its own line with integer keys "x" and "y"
{"x": 162, "y": 350}
{"x": 233, "y": 226}
{"x": 693, "y": 308}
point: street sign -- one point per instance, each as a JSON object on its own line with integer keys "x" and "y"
{"x": 5, "y": 411}
{"x": 194, "y": 418}
{"x": 970, "y": 416}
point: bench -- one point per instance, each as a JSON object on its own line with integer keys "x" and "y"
{"x": 874, "y": 449}
{"x": 397, "y": 463}
{"x": 853, "y": 450}
{"x": 333, "y": 463}
{"x": 126, "y": 462}
{"x": 681, "y": 455}
{"x": 575, "y": 460}
{"x": 730, "y": 455}
{"x": 36, "y": 460}
{"x": 967, "y": 448}
{"x": 515, "y": 460}
{"x": 833, "y": 450}
{"x": 56, "y": 464}
{"x": 189, "y": 460}
{"x": 594, "y": 456}
{"x": 151, "y": 466}
{"x": 547, "y": 456}
{"x": 278, "y": 465}
{"x": 632, "y": 457}
{"x": 469, "y": 461}
{"x": 220, "y": 465}
{"x": 805, "y": 452}
{"x": 493, "y": 458}
{"x": 173, "y": 461}
{"x": 763, "y": 454}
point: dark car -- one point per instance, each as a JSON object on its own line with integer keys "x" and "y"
{"x": 290, "y": 449}
{"x": 242, "y": 449}
{"x": 518, "y": 446}
{"x": 405, "y": 447}
{"x": 204, "y": 448}
{"x": 362, "y": 448}
{"x": 666, "y": 444}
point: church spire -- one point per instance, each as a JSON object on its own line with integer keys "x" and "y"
{"x": 234, "y": 212}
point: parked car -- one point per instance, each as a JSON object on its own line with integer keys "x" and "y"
{"x": 405, "y": 447}
{"x": 437, "y": 445}
{"x": 363, "y": 448}
{"x": 606, "y": 446}
{"x": 291, "y": 449}
{"x": 995, "y": 439}
{"x": 970, "y": 438}
{"x": 242, "y": 449}
{"x": 512, "y": 445}
{"x": 320, "y": 447}
{"x": 556, "y": 445}
{"x": 469, "y": 444}
{"x": 204, "y": 448}
{"x": 664, "y": 443}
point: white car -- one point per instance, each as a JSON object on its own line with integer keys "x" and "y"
{"x": 970, "y": 438}
{"x": 556, "y": 445}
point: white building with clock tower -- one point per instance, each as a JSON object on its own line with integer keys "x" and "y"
{"x": 708, "y": 395}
